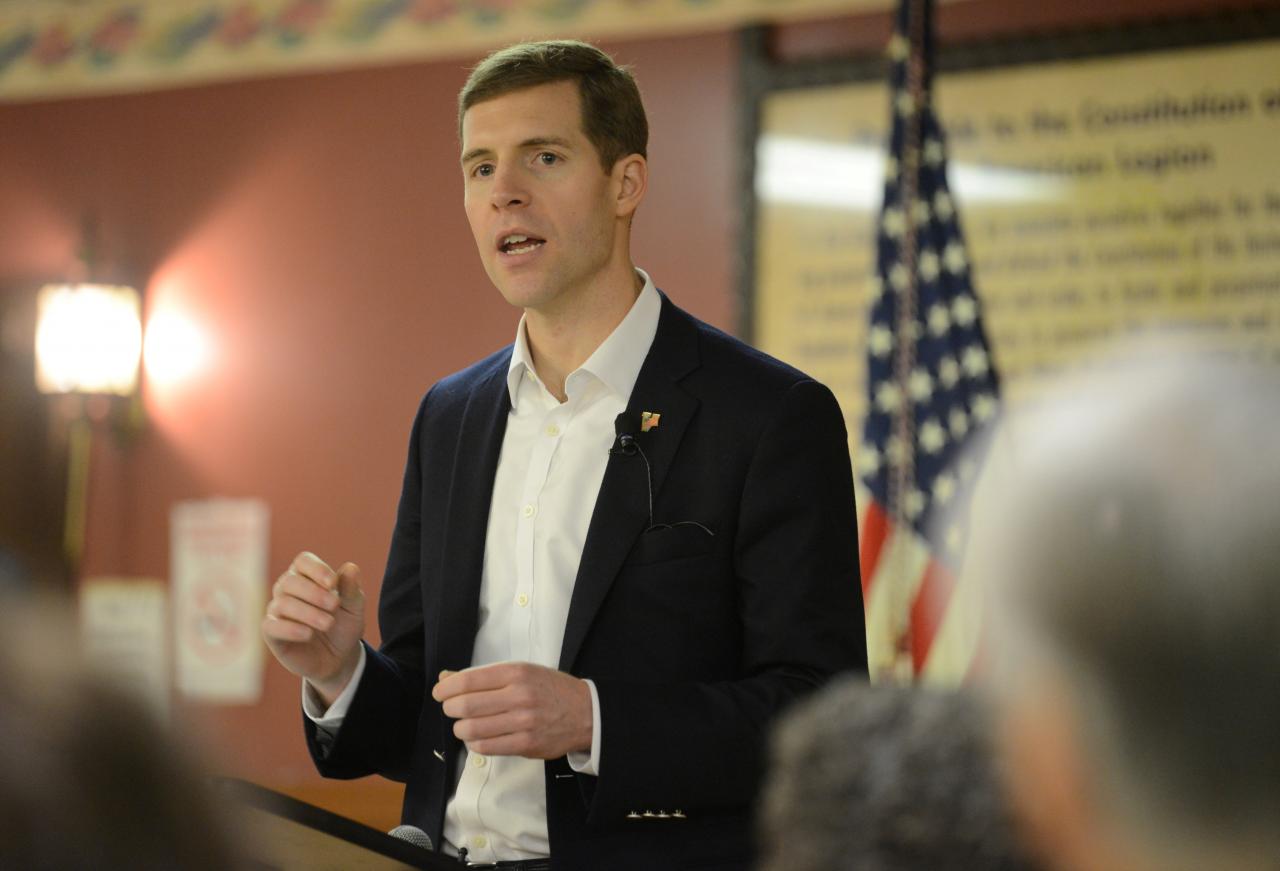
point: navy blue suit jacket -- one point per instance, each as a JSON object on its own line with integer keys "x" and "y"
{"x": 695, "y": 641}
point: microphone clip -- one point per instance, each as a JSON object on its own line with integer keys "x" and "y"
{"x": 624, "y": 444}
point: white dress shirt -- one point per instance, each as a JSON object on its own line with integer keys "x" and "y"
{"x": 548, "y": 477}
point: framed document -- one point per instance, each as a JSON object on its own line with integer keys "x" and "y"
{"x": 1102, "y": 198}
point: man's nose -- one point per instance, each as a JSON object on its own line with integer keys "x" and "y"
{"x": 508, "y": 190}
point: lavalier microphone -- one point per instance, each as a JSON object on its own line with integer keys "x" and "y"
{"x": 626, "y": 425}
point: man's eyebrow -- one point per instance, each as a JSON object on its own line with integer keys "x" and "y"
{"x": 534, "y": 142}
{"x": 471, "y": 155}
{"x": 546, "y": 140}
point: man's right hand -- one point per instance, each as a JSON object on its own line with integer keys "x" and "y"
{"x": 314, "y": 622}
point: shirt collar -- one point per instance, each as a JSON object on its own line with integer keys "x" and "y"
{"x": 616, "y": 362}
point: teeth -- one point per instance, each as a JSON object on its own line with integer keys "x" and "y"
{"x": 519, "y": 243}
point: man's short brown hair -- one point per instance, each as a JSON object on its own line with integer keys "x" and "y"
{"x": 612, "y": 113}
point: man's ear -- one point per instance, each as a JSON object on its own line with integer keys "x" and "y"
{"x": 631, "y": 179}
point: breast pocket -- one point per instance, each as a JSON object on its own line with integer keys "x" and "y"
{"x": 665, "y": 542}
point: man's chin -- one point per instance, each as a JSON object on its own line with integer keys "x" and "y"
{"x": 524, "y": 295}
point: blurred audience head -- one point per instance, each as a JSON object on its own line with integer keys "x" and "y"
{"x": 1136, "y": 639}
{"x": 885, "y": 778}
{"x": 88, "y": 780}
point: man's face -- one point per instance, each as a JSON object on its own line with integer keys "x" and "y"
{"x": 544, "y": 213}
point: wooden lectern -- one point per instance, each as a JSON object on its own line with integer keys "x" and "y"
{"x": 284, "y": 834}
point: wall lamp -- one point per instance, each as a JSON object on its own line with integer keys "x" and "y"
{"x": 88, "y": 343}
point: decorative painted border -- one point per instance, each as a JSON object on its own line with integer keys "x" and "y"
{"x": 50, "y": 49}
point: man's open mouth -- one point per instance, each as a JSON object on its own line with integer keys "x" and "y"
{"x": 519, "y": 244}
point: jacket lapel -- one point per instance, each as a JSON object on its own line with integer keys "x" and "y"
{"x": 622, "y": 509}
{"x": 480, "y": 435}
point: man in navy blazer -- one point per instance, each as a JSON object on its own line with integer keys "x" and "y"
{"x": 624, "y": 543}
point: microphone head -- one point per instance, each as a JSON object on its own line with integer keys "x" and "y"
{"x": 626, "y": 425}
{"x": 413, "y": 835}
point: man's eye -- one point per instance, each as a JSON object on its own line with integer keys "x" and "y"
{"x": 546, "y": 158}
{"x": 484, "y": 170}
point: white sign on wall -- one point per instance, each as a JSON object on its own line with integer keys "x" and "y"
{"x": 219, "y": 567}
{"x": 124, "y": 627}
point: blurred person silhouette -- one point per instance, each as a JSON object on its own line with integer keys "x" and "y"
{"x": 886, "y": 778}
{"x": 88, "y": 780}
{"x": 1136, "y": 635}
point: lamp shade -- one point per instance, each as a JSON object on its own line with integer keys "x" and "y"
{"x": 88, "y": 339}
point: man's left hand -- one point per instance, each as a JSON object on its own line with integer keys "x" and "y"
{"x": 517, "y": 709}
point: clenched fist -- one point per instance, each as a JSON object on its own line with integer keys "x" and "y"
{"x": 517, "y": 709}
{"x": 314, "y": 622}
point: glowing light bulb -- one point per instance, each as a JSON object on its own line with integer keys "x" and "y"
{"x": 88, "y": 339}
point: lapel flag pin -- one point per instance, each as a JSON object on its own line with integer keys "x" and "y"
{"x": 649, "y": 420}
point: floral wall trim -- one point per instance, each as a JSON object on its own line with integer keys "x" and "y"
{"x": 51, "y": 48}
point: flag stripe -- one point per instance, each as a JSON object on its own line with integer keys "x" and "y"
{"x": 956, "y": 640}
{"x": 931, "y": 601}
{"x": 894, "y": 581}
{"x": 875, "y": 529}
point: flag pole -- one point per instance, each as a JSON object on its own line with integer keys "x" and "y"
{"x": 903, "y": 480}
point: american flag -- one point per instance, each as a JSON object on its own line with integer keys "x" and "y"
{"x": 932, "y": 389}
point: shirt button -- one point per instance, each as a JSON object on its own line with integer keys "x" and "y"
{"x": 553, "y": 430}
{"x": 522, "y": 600}
{"x": 478, "y": 761}
{"x": 479, "y": 842}
{"x": 529, "y": 511}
